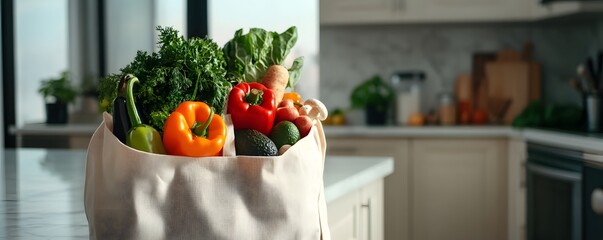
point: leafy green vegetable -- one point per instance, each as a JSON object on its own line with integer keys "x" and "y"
{"x": 248, "y": 56}
{"x": 372, "y": 92}
{"x": 295, "y": 72}
{"x": 182, "y": 70}
{"x": 537, "y": 114}
{"x": 531, "y": 116}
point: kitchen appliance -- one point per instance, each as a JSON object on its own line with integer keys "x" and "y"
{"x": 592, "y": 196}
{"x": 554, "y": 193}
{"x": 407, "y": 85}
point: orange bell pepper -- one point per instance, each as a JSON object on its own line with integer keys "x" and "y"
{"x": 194, "y": 130}
{"x": 293, "y": 96}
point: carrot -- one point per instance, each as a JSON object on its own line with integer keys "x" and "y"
{"x": 276, "y": 79}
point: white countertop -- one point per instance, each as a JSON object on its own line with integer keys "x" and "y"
{"x": 346, "y": 174}
{"x": 42, "y": 190}
{"x": 572, "y": 140}
{"x": 73, "y": 129}
{"x": 423, "y": 131}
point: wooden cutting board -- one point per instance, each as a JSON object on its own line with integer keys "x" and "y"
{"x": 512, "y": 80}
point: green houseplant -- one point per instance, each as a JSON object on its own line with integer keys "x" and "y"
{"x": 376, "y": 97}
{"x": 57, "y": 94}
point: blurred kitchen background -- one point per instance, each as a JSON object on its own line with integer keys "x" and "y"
{"x": 90, "y": 39}
{"x": 444, "y": 41}
{"x": 490, "y": 109}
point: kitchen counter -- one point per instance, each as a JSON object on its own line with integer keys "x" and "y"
{"x": 589, "y": 142}
{"x": 43, "y": 190}
{"x": 423, "y": 131}
{"x": 574, "y": 140}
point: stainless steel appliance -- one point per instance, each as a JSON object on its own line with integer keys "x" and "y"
{"x": 554, "y": 193}
{"x": 592, "y": 196}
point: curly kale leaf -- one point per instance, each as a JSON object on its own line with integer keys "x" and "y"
{"x": 182, "y": 70}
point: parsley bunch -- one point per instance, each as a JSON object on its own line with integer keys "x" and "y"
{"x": 182, "y": 70}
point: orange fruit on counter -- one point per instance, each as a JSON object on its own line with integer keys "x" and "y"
{"x": 416, "y": 119}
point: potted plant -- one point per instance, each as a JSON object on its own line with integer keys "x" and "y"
{"x": 57, "y": 93}
{"x": 376, "y": 97}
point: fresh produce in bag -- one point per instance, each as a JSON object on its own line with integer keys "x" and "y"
{"x": 212, "y": 182}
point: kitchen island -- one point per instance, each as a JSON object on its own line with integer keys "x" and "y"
{"x": 43, "y": 190}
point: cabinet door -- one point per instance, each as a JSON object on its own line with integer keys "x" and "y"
{"x": 343, "y": 217}
{"x": 459, "y": 189}
{"x": 357, "y": 11}
{"x": 543, "y": 11}
{"x": 371, "y": 212}
{"x": 396, "y": 185}
{"x": 517, "y": 189}
{"x": 475, "y": 10}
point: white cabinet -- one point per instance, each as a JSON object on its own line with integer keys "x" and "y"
{"x": 341, "y": 12}
{"x": 459, "y": 189}
{"x": 474, "y": 10}
{"x": 556, "y": 9}
{"x": 335, "y": 12}
{"x": 517, "y": 153}
{"x": 396, "y": 185}
{"x": 358, "y": 215}
{"x": 441, "y": 188}
{"x": 343, "y": 217}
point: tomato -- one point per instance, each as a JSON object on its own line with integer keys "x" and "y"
{"x": 479, "y": 117}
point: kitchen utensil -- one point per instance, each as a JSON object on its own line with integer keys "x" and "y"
{"x": 600, "y": 74}
{"x": 592, "y": 104}
{"x": 586, "y": 80}
{"x": 510, "y": 80}
{"x": 535, "y": 76}
{"x": 478, "y": 81}
{"x": 464, "y": 98}
{"x": 498, "y": 108}
{"x": 592, "y": 73}
{"x": 509, "y": 55}
{"x": 576, "y": 85}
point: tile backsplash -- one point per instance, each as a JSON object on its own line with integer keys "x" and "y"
{"x": 351, "y": 54}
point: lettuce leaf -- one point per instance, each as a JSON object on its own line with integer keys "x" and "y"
{"x": 248, "y": 56}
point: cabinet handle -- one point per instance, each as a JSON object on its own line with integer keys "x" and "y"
{"x": 522, "y": 176}
{"x": 596, "y": 201}
{"x": 355, "y": 230}
{"x": 368, "y": 216}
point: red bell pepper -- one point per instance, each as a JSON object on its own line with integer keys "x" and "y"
{"x": 252, "y": 106}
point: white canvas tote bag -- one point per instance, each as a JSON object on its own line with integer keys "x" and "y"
{"x": 131, "y": 194}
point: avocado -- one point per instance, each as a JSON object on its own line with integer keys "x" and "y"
{"x": 251, "y": 142}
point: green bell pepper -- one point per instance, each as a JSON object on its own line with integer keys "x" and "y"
{"x": 141, "y": 136}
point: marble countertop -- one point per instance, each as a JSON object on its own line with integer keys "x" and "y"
{"x": 42, "y": 190}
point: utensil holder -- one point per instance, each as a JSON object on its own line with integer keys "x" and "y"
{"x": 592, "y": 107}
